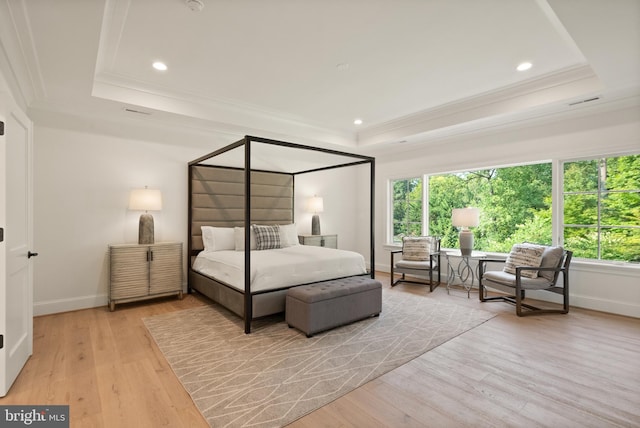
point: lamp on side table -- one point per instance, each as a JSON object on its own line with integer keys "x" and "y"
{"x": 465, "y": 218}
{"x": 145, "y": 200}
{"x": 316, "y": 205}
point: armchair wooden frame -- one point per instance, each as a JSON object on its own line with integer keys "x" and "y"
{"x": 520, "y": 288}
{"x": 434, "y": 263}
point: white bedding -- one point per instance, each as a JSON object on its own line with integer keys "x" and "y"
{"x": 283, "y": 267}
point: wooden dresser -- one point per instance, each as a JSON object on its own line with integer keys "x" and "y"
{"x": 138, "y": 272}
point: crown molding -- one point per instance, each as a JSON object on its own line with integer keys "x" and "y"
{"x": 108, "y": 118}
{"x": 548, "y": 89}
{"x": 18, "y": 59}
{"x": 113, "y": 23}
{"x": 613, "y": 109}
{"x": 131, "y": 92}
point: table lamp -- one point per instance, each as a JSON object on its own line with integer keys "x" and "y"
{"x": 465, "y": 218}
{"x": 315, "y": 206}
{"x": 145, "y": 200}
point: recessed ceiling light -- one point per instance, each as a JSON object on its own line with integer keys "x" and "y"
{"x": 357, "y": 122}
{"x": 160, "y": 66}
{"x": 343, "y": 66}
{"x": 524, "y": 66}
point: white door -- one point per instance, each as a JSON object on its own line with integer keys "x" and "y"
{"x": 16, "y": 285}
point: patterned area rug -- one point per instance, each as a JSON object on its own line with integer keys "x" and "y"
{"x": 276, "y": 375}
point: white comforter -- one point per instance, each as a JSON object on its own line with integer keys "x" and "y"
{"x": 271, "y": 269}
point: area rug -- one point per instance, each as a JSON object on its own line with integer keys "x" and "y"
{"x": 275, "y": 375}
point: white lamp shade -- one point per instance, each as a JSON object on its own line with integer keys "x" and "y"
{"x": 465, "y": 217}
{"x": 315, "y": 205}
{"x": 145, "y": 200}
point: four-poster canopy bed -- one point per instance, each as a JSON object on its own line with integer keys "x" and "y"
{"x": 249, "y": 186}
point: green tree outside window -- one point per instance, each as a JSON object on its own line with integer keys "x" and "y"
{"x": 602, "y": 208}
{"x": 407, "y": 208}
{"x": 514, "y": 204}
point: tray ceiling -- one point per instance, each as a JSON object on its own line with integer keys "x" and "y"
{"x": 305, "y": 70}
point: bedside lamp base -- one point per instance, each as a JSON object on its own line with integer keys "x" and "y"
{"x": 145, "y": 229}
{"x": 315, "y": 224}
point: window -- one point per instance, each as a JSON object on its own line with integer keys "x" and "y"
{"x": 407, "y": 207}
{"x": 602, "y": 208}
{"x": 600, "y": 213}
{"x": 514, "y": 203}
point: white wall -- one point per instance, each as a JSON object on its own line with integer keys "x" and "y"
{"x": 82, "y": 184}
{"x": 338, "y": 188}
{"x": 611, "y": 287}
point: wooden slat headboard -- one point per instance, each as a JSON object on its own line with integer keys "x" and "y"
{"x": 217, "y": 199}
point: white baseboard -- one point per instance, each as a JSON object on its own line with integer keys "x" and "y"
{"x": 74, "y": 304}
{"x": 66, "y": 305}
{"x": 602, "y": 305}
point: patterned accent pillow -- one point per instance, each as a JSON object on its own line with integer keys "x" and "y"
{"x": 417, "y": 248}
{"x": 267, "y": 237}
{"x": 524, "y": 255}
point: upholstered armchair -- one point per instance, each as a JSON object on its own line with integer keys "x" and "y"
{"x": 528, "y": 267}
{"x": 419, "y": 257}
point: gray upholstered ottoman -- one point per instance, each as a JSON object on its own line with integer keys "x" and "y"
{"x": 317, "y": 307}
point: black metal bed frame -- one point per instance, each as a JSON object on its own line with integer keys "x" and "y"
{"x": 247, "y": 142}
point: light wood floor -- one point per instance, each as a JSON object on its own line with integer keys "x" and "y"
{"x": 575, "y": 370}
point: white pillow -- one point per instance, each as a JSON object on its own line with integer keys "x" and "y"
{"x": 288, "y": 235}
{"x": 217, "y": 238}
{"x": 239, "y": 239}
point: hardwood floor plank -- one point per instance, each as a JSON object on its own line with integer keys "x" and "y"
{"x": 417, "y": 407}
{"x": 326, "y": 417}
{"x": 553, "y": 374}
{"x": 83, "y": 395}
{"x": 115, "y": 392}
{"x": 442, "y": 397}
{"x": 348, "y": 411}
{"x": 370, "y": 402}
{"x": 102, "y": 339}
{"x": 154, "y": 405}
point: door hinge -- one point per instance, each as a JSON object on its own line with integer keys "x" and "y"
{"x": 1, "y": 341}
{"x": 1, "y": 127}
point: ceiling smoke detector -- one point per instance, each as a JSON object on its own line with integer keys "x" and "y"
{"x": 194, "y": 5}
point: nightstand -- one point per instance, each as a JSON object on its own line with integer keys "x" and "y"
{"x": 138, "y": 272}
{"x": 328, "y": 241}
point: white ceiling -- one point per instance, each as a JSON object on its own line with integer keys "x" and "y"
{"x": 303, "y": 70}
